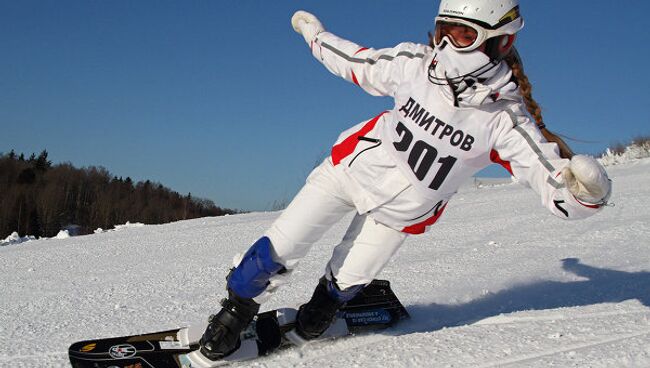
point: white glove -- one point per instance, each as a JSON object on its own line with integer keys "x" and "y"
{"x": 587, "y": 180}
{"x": 307, "y": 25}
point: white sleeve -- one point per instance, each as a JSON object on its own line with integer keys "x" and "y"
{"x": 378, "y": 71}
{"x": 535, "y": 162}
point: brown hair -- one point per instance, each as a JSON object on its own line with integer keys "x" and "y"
{"x": 525, "y": 89}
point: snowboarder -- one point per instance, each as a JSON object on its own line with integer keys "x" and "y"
{"x": 461, "y": 103}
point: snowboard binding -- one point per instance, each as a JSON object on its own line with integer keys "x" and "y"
{"x": 221, "y": 337}
{"x": 315, "y": 316}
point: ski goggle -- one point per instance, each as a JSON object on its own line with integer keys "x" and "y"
{"x": 464, "y": 35}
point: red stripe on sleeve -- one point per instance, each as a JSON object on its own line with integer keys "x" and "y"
{"x": 588, "y": 205}
{"x": 494, "y": 157}
{"x": 361, "y": 49}
{"x": 347, "y": 146}
{"x": 354, "y": 79}
{"x": 422, "y": 226}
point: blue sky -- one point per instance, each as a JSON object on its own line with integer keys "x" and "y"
{"x": 223, "y": 99}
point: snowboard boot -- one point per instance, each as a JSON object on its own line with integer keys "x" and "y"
{"x": 221, "y": 338}
{"x": 245, "y": 282}
{"x": 317, "y": 314}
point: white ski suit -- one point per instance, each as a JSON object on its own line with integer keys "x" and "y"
{"x": 399, "y": 170}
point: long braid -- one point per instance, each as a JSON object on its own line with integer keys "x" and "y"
{"x": 525, "y": 88}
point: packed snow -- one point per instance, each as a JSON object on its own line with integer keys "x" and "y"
{"x": 63, "y": 234}
{"x": 14, "y": 238}
{"x": 498, "y": 282}
{"x": 636, "y": 150}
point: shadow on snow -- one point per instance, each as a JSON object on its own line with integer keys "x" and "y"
{"x": 602, "y": 286}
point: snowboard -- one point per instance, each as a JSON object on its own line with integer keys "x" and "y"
{"x": 375, "y": 307}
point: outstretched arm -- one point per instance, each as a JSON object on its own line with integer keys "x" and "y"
{"x": 378, "y": 71}
{"x": 570, "y": 189}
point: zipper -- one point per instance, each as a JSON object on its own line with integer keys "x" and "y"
{"x": 362, "y": 138}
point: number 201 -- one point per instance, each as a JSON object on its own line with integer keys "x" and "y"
{"x": 422, "y": 157}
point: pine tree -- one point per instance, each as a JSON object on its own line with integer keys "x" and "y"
{"x": 42, "y": 163}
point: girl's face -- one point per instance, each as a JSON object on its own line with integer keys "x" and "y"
{"x": 459, "y": 34}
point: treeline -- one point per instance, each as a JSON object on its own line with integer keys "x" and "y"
{"x": 38, "y": 198}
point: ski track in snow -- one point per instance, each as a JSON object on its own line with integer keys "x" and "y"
{"x": 498, "y": 282}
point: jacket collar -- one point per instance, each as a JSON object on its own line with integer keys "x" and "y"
{"x": 475, "y": 93}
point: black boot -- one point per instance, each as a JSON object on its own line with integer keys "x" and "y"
{"x": 317, "y": 315}
{"x": 222, "y": 335}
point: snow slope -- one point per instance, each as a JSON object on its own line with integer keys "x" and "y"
{"x": 498, "y": 283}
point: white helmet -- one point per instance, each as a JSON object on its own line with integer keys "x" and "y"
{"x": 471, "y": 39}
{"x": 491, "y": 14}
{"x": 483, "y": 20}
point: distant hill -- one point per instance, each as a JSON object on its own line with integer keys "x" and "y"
{"x": 38, "y": 198}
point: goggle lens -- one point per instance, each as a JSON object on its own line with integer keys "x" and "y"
{"x": 460, "y": 35}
